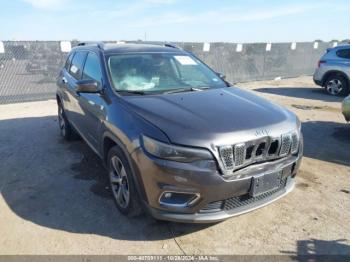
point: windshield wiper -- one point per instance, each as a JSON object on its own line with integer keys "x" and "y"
{"x": 179, "y": 90}
{"x": 136, "y": 92}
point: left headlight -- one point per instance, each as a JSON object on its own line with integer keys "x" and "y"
{"x": 174, "y": 153}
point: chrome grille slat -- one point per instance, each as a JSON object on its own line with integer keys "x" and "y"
{"x": 295, "y": 143}
{"x": 226, "y": 154}
{"x": 285, "y": 144}
{"x": 254, "y": 151}
{"x": 239, "y": 154}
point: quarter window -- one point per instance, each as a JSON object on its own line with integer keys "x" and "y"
{"x": 76, "y": 67}
{"x": 69, "y": 61}
{"x": 92, "y": 69}
{"x": 344, "y": 53}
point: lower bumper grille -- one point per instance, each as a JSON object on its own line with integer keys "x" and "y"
{"x": 239, "y": 201}
{"x": 235, "y": 202}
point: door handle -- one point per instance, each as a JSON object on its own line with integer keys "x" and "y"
{"x": 64, "y": 80}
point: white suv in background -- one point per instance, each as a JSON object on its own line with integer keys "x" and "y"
{"x": 333, "y": 71}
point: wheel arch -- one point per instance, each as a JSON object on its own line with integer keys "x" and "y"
{"x": 108, "y": 141}
{"x": 334, "y": 72}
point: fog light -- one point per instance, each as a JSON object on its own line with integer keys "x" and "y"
{"x": 167, "y": 195}
{"x": 178, "y": 199}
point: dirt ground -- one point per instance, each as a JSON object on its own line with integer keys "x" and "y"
{"x": 54, "y": 196}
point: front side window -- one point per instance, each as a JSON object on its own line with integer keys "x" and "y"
{"x": 77, "y": 64}
{"x": 160, "y": 72}
{"x": 92, "y": 69}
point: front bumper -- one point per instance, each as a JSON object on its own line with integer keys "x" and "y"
{"x": 157, "y": 176}
{"x": 221, "y": 215}
{"x": 317, "y": 82}
{"x": 318, "y": 76}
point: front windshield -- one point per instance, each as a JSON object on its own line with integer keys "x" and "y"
{"x": 160, "y": 72}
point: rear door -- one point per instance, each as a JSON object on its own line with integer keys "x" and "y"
{"x": 72, "y": 76}
{"x": 63, "y": 83}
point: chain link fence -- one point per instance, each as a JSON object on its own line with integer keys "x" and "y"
{"x": 28, "y": 69}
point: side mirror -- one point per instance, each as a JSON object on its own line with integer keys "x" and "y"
{"x": 222, "y": 76}
{"x": 87, "y": 86}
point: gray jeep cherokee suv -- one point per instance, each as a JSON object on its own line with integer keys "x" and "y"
{"x": 177, "y": 140}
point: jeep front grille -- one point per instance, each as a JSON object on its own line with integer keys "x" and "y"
{"x": 243, "y": 154}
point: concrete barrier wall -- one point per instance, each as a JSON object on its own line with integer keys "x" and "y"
{"x": 28, "y": 69}
{"x": 254, "y": 62}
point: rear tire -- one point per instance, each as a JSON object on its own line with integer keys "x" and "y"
{"x": 337, "y": 85}
{"x": 122, "y": 183}
{"x": 66, "y": 129}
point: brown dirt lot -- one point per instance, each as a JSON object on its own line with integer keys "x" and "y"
{"x": 54, "y": 196}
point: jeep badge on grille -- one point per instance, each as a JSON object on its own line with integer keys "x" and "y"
{"x": 262, "y": 132}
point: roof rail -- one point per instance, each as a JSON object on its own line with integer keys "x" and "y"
{"x": 171, "y": 46}
{"x": 98, "y": 44}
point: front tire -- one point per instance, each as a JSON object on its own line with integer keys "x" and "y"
{"x": 122, "y": 183}
{"x": 337, "y": 85}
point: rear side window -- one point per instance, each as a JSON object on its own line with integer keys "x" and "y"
{"x": 69, "y": 61}
{"x": 344, "y": 53}
{"x": 76, "y": 67}
{"x": 92, "y": 69}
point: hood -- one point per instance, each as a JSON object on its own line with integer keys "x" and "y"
{"x": 212, "y": 117}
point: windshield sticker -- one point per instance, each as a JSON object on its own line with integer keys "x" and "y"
{"x": 185, "y": 60}
{"x": 74, "y": 69}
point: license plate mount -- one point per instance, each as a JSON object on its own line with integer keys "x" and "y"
{"x": 265, "y": 183}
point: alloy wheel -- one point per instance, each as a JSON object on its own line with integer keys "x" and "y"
{"x": 61, "y": 121}
{"x": 334, "y": 86}
{"x": 119, "y": 182}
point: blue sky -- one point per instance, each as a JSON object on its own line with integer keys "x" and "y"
{"x": 176, "y": 20}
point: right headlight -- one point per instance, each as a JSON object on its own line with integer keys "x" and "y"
{"x": 174, "y": 153}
